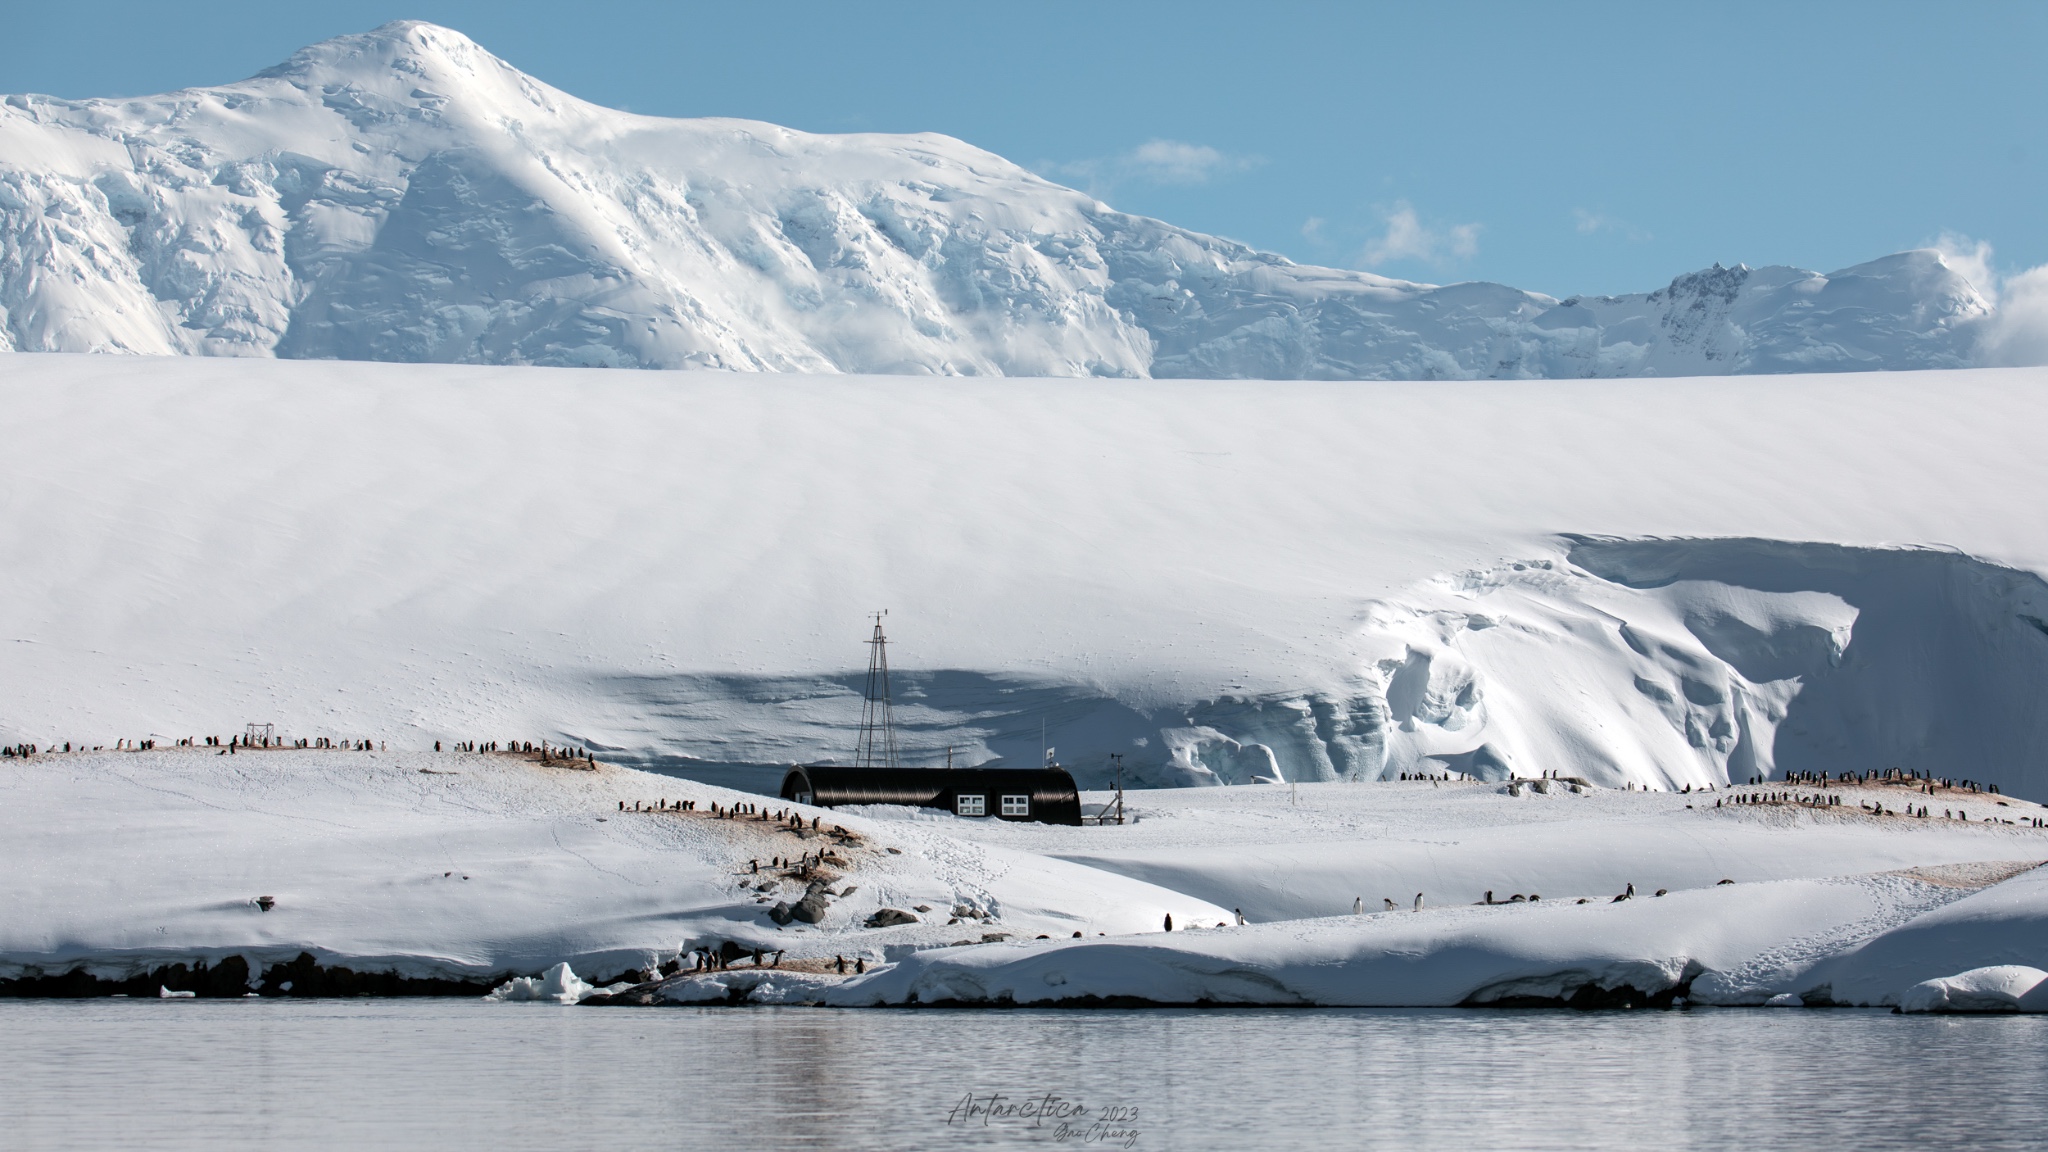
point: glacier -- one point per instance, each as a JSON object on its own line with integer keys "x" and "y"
{"x": 403, "y": 195}
{"x": 1665, "y": 584}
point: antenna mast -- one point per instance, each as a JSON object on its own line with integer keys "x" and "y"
{"x": 877, "y": 725}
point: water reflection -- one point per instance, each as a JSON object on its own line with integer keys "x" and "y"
{"x": 463, "y": 1074}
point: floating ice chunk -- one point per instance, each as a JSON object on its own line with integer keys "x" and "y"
{"x": 1785, "y": 1000}
{"x": 164, "y": 993}
{"x": 559, "y": 984}
{"x": 1999, "y": 988}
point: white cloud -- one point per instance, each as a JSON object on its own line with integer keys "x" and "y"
{"x": 2016, "y": 333}
{"x": 1175, "y": 162}
{"x": 1153, "y": 162}
{"x": 1408, "y": 238}
{"x": 1590, "y": 223}
{"x": 1972, "y": 258}
{"x": 1312, "y": 229}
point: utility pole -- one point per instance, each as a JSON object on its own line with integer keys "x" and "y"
{"x": 1117, "y": 760}
{"x": 877, "y": 724}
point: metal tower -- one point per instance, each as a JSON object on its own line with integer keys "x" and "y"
{"x": 877, "y": 725}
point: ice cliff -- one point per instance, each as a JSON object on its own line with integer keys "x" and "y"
{"x": 405, "y": 195}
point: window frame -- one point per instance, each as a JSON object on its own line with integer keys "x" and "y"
{"x": 977, "y": 800}
{"x": 1022, "y": 803}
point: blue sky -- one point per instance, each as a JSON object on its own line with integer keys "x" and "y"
{"x": 1565, "y": 148}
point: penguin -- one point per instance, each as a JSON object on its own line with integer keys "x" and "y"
{"x": 1418, "y": 901}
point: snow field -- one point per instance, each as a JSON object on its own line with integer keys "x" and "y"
{"x": 488, "y": 866}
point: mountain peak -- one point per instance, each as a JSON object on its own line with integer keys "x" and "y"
{"x": 406, "y": 46}
{"x": 403, "y": 194}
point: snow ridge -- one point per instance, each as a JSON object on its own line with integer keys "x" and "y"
{"x": 405, "y": 195}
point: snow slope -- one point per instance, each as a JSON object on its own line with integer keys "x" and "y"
{"x": 1219, "y": 581}
{"x": 2001, "y": 925}
{"x": 1440, "y": 958}
{"x": 457, "y": 865}
{"x": 1288, "y": 853}
{"x": 405, "y": 195}
{"x": 1834, "y": 906}
{"x": 1667, "y": 583}
{"x": 1713, "y": 946}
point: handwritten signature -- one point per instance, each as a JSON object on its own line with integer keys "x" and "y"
{"x": 1065, "y": 1121}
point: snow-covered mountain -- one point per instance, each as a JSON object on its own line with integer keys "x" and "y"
{"x": 405, "y": 195}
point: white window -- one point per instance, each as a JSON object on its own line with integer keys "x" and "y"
{"x": 1016, "y": 805}
{"x": 970, "y": 804}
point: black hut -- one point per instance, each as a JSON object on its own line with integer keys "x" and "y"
{"x": 1046, "y": 795}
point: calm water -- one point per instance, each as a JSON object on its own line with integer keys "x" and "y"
{"x": 462, "y": 1074}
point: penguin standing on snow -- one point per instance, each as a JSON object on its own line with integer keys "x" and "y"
{"x": 1418, "y": 901}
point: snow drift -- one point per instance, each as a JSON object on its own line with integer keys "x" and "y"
{"x": 2001, "y": 988}
{"x": 405, "y": 195}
